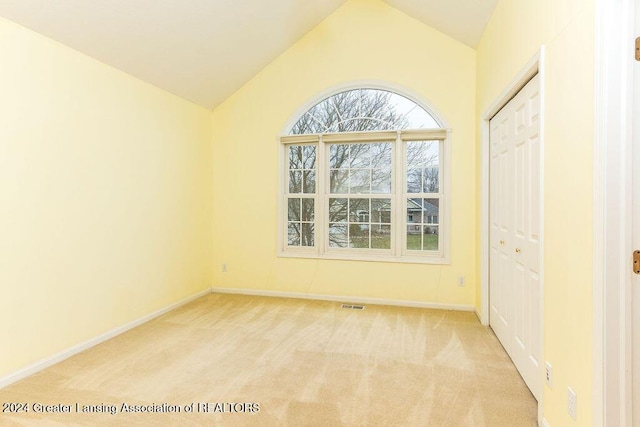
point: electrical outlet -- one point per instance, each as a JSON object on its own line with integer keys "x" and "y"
{"x": 572, "y": 402}
{"x": 549, "y": 374}
{"x": 224, "y": 268}
{"x": 461, "y": 281}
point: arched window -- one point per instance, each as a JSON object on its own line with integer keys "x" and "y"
{"x": 362, "y": 110}
{"x": 365, "y": 177}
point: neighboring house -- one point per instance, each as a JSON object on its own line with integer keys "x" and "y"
{"x": 421, "y": 214}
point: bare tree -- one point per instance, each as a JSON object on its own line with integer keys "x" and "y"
{"x": 357, "y": 110}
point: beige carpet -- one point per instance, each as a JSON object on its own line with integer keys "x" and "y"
{"x": 300, "y": 362}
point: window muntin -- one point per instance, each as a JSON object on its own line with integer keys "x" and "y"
{"x": 300, "y": 196}
{"x": 302, "y": 169}
{"x": 361, "y": 223}
{"x": 363, "y": 168}
{"x": 423, "y": 171}
{"x": 423, "y": 229}
{"x": 371, "y": 190}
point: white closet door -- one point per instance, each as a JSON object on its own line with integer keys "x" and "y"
{"x": 515, "y": 217}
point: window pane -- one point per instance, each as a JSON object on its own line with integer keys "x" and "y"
{"x": 293, "y": 234}
{"x": 339, "y": 156}
{"x": 423, "y": 153}
{"x": 308, "y": 210}
{"x": 431, "y": 154}
{"x": 381, "y": 155}
{"x": 430, "y": 208}
{"x": 338, "y": 209}
{"x": 360, "y": 155}
{"x": 430, "y": 237}
{"x": 432, "y": 220}
{"x": 414, "y": 180}
{"x": 295, "y": 181}
{"x": 295, "y": 157}
{"x": 431, "y": 182}
{"x": 360, "y": 181}
{"x": 423, "y": 166}
{"x": 381, "y": 181}
{"x": 381, "y": 164}
{"x": 373, "y": 124}
{"x": 381, "y": 211}
{"x": 414, "y": 154}
{"x": 338, "y": 236}
{"x": 339, "y": 181}
{"x": 414, "y": 237}
{"x": 414, "y": 211}
{"x": 416, "y": 116}
{"x": 307, "y": 124}
{"x": 423, "y": 211}
{"x": 358, "y": 210}
{"x": 359, "y": 235}
{"x": 309, "y": 182}
{"x": 294, "y": 209}
{"x": 380, "y": 236}
{"x": 309, "y": 157}
{"x": 307, "y": 235}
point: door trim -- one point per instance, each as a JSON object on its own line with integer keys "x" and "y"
{"x": 614, "y": 35}
{"x": 533, "y": 67}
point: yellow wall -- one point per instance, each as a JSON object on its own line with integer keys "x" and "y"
{"x": 363, "y": 40}
{"x": 566, "y": 27}
{"x": 105, "y": 198}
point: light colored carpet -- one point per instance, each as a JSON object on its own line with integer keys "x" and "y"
{"x": 305, "y": 363}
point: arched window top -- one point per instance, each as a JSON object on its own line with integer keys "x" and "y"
{"x": 361, "y": 110}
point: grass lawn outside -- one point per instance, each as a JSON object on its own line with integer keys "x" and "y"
{"x": 430, "y": 242}
{"x": 414, "y": 242}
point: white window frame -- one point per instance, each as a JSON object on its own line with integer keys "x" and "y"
{"x": 399, "y": 196}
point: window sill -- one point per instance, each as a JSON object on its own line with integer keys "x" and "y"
{"x": 353, "y": 256}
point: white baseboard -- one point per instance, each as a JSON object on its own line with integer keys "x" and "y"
{"x": 65, "y": 354}
{"x": 357, "y": 300}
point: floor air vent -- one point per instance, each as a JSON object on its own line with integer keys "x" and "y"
{"x": 353, "y": 307}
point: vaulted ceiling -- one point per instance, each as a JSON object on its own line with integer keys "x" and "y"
{"x": 204, "y": 50}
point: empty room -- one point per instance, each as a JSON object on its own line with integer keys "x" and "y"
{"x": 323, "y": 213}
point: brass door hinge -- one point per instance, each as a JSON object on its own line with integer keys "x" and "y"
{"x": 638, "y": 49}
{"x": 636, "y": 262}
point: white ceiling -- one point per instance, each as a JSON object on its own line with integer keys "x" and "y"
{"x": 204, "y": 50}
